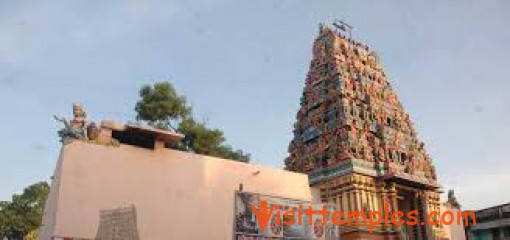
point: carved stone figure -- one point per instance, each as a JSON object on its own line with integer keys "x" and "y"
{"x": 75, "y": 128}
{"x": 93, "y": 132}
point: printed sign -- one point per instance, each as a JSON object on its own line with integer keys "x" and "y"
{"x": 247, "y": 226}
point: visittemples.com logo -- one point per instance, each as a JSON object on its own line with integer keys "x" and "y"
{"x": 266, "y": 211}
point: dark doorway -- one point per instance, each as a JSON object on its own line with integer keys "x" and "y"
{"x": 406, "y": 203}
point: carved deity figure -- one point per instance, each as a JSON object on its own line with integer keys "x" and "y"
{"x": 75, "y": 128}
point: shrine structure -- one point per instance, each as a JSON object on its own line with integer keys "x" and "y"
{"x": 355, "y": 141}
{"x": 116, "y": 181}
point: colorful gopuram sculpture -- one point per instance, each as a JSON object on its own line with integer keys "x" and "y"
{"x": 356, "y": 142}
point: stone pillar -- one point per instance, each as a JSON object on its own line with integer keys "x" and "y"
{"x": 359, "y": 200}
{"x": 352, "y": 199}
{"x": 427, "y": 229}
{"x": 368, "y": 198}
{"x": 381, "y": 199}
{"x": 373, "y": 199}
{"x": 394, "y": 205}
{"x": 345, "y": 201}
{"x": 159, "y": 145}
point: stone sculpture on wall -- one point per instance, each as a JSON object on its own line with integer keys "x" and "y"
{"x": 78, "y": 128}
{"x": 75, "y": 128}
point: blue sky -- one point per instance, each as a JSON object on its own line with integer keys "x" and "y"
{"x": 242, "y": 66}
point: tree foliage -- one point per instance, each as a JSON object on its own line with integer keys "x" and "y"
{"x": 23, "y": 214}
{"x": 209, "y": 141}
{"x": 161, "y": 107}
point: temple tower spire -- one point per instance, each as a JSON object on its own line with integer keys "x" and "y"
{"x": 353, "y": 137}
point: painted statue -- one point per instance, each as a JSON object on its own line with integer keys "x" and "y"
{"x": 75, "y": 128}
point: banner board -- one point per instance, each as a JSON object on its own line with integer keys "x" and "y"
{"x": 247, "y": 227}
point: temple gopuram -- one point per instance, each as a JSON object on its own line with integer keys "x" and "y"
{"x": 357, "y": 144}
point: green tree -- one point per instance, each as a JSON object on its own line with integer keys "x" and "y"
{"x": 24, "y": 213}
{"x": 209, "y": 141}
{"x": 161, "y": 107}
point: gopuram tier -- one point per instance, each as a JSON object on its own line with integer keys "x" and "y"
{"x": 357, "y": 144}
